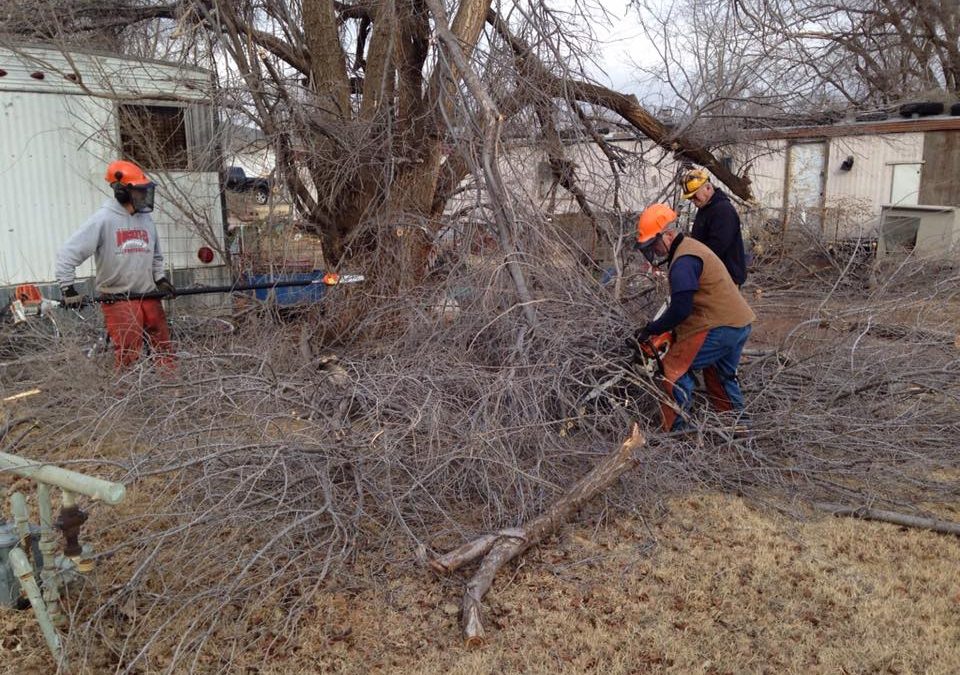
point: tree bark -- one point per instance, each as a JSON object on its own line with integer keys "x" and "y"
{"x": 626, "y": 106}
{"x": 328, "y": 64}
{"x": 500, "y": 548}
{"x": 942, "y": 526}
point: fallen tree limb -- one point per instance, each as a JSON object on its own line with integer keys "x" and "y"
{"x": 627, "y": 106}
{"x": 943, "y": 526}
{"x": 500, "y": 548}
{"x": 913, "y": 333}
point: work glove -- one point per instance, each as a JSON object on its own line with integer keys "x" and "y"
{"x": 71, "y": 299}
{"x": 165, "y": 287}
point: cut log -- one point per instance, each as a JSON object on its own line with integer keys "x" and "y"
{"x": 943, "y": 526}
{"x": 500, "y": 548}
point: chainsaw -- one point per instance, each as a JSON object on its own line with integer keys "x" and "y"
{"x": 651, "y": 353}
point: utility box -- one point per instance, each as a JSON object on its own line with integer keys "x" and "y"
{"x": 924, "y": 231}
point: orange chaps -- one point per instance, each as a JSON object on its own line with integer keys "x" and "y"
{"x": 718, "y": 361}
{"x": 129, "y": 322}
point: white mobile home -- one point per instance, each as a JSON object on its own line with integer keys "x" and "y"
{"x": 64, "y": 116}
{"x": 840, "y": 179}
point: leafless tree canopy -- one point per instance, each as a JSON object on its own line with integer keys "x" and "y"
{"x": 376, "y": 116}
{"x": 801, "y": 61}
{"x": 399, "y": 420}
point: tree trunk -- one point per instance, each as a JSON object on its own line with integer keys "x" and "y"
{"x": 942, "y": 526}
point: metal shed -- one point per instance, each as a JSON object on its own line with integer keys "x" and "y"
{"x": 836, "y": 179}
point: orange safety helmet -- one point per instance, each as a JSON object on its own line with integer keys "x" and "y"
{"x": 126, "y": 173}
{"x": 131, "y": 185}
{"x": 654, "y": 220}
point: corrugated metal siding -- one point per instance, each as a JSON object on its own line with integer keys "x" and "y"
{"x": 188, "y": 216}
{"x": 50, "y": 179}
{"x": 853, "y": 198}
{"x": 52, "y": 160}
{"x": 53, "y": 151}
{"x": 767, "y": 163}
{"x": 100, "y": 74}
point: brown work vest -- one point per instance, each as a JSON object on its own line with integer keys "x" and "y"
{"x": 718, "y": 301}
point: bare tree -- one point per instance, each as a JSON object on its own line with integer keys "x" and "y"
{"x": 800, "y": 61}
{"x": 370, "y": 108}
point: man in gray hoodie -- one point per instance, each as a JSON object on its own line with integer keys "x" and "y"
{"x": 123, "y": 239}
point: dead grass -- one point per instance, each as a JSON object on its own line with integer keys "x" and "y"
{"x": 711, "y": 585}
{"x": 724, "y": 589}
{"x": 715, "y": 586}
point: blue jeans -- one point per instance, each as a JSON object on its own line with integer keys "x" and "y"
{"x": 721, "y": 349}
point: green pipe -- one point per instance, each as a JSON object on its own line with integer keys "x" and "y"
{"x": 48, "y": 548}
{"x": 23, "y": 570}
{"x": 96, "y": 488}
{"x": 67, "y": 499}
{"x": 18, "y": 504}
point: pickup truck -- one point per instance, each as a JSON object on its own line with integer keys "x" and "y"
{"x": 238, "y": 181}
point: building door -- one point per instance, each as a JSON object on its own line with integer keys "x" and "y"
{"x": 806, "y": 183}
{"x": 905, "y": 184}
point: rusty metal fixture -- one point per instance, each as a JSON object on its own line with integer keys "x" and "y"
{"x": 70, "y": 520}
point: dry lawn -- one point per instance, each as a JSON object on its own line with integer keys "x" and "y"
{"x": 717, "y": 587}
{"x": 713, "y": 584}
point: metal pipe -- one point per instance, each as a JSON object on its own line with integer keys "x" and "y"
{"x": 325, "y": 280}
{"x": 23, "y": 570}
{"x": 48, "y": 548}
{"x": 96, "y": 488}
{"x": 18, "y": 504}
{"x": 69, "y": 522}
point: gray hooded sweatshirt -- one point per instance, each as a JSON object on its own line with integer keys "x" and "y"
{"x": 125, "y": 247}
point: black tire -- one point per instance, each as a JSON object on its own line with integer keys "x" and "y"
{"x": 922, "y": 109}
{"x": 261, "y": 195}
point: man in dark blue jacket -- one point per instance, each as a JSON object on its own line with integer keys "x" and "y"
{"x": 716, "y": 224}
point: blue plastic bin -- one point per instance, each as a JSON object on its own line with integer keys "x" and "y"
{"x": 289, "y": 295}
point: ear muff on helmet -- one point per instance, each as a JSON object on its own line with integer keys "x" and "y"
{"x": 130, "y": 185}
{"x": 120, "y": 191}
{"x": 692, "y": 180}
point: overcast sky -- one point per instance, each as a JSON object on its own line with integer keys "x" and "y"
{"x": 621, "y": 45}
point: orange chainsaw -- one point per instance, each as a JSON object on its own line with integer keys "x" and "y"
{"x": 650, "y": 355}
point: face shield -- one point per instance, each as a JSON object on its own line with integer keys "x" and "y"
{"x": 141, "y": 198}
{"x": 649, "y": 250}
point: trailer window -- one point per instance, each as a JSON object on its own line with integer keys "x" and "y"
{"x": 154, "y": 136}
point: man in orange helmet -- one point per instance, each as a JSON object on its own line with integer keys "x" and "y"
{"x": 123, "y": 239}
{"x": 707, "y": 314}
{"x": 717, "y": 223}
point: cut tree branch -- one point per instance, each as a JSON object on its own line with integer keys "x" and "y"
{"x": 942, "y": 526}
{"x": 500, "y": 548}
{"x": 626, "y": 106}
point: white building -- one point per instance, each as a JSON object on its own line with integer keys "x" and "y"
{"x": 833, "y": 182}
{"x": 839, "y": 178}
{"x": 65, "y": 116}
